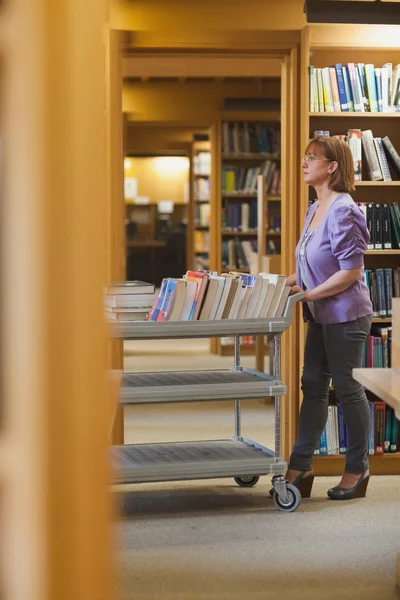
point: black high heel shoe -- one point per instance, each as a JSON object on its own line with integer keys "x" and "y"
{"x": 303, "y": 484}
{"x": 358, "y": 491}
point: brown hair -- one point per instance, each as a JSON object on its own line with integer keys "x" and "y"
{"x": 342, "y": 179}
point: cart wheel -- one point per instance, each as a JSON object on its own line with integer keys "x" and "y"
{"x": 293, "y": 502}
{"x": 249, "y": 481}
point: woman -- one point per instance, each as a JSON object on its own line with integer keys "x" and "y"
{"x": 337, "y": 306}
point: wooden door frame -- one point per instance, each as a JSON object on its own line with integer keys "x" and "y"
{"x": 288, "y": 54}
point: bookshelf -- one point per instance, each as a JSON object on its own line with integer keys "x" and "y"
{"x": 327, "y": 45}
{"x": 200, "y": 209}
{"x": 245, "y": 231}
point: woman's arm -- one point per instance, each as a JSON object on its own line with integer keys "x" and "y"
{"x": 337, "y": 283}
{"x": 291, "y": 280}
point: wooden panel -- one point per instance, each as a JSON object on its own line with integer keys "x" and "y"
{"x": 396, "y": 334}
{"x": 289, "y": 212}
{"x": 190, "y": 21}
{"x": 187, "y": 65}
{"x": 386, "y": 464}
{"x": 55, "y": 507}
{"x": 354, "y": 36}
{"x": 304, "y": 139}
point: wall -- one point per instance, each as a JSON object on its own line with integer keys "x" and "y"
{"x": 160, "y": 178}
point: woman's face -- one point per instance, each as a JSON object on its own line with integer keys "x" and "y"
{"x": 316, "y": 167}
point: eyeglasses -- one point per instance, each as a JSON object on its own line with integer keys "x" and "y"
{"x": 312, "y": 159}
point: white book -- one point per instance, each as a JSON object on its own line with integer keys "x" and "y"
{"x": 279, "y": 281}
{"x": 130, "y": 287}
{"x": 240, "y": 291}
{"x": 190, "y": 294}
{"x": 217, "y": 299}
{"x": 367, "y": 140}
{"x": 130, "y": 310}
{"x": 113, "y": 316}
{"x": 224, "y": 296}
{"x": 267, "y": 301}
{"x": 280, "y": 310}
{"x": 129, "y": 300}
{"x": 261, "y": 297}
{"x": 245, "y": 301}
{"x": 258, "y": 282}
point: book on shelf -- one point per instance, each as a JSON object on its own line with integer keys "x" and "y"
{"x": 207, "y": 296}
{"x": 383, "y": 285}
{"x": 355, "y": 87}
{"x": 243, "y": 180}
{"x": 383, "y": 434}
{"x": 202, "y": 164}
{"x": 202, "y": 214}
{"x": 383, "y": 223}
{"x": 250, "y": 138}
{"x": 381, "y": 157}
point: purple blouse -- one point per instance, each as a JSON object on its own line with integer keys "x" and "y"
{"x": 339, "y": 242}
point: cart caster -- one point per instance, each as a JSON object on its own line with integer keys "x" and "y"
{"x": 293, "y": 499}
{"x": 249, "y": 481}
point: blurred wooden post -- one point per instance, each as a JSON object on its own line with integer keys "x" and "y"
{"x": 55, "y": 508}
{"x": 115, "y": 223}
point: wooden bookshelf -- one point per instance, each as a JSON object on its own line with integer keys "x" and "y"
{"x": 245, "y": 160}
{"x": 326, "y": 45}
{"x": 198, "y": 241}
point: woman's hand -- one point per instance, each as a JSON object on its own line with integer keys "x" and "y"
{"x": 297, "y": 289}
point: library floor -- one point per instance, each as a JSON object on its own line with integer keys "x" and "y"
{"x": 211, "y": 540}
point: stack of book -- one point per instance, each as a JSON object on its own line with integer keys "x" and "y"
{"x": 206, "y": 296}
{"x": 355, "y": 88}
{"x": 129, "y": 300}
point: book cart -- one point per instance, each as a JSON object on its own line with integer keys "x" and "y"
{"x": 243, "y": 459}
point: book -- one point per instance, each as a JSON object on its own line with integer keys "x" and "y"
{"x": 130, "y": 287}
{"x": 129, "y": 300}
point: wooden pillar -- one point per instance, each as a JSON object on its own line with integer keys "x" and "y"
{"x": 289, "y": 135}
{"x": 55, "y": 508}
{"x": 115, "y": 219}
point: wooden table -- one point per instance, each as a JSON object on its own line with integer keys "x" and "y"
{"x": 385, "y": 383}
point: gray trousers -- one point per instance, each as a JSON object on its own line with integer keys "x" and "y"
{"x": 333, "y": 351}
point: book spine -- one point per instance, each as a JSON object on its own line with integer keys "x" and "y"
{"x": 378, "y": 227}
{"x": 347, "y": 87}
{"x": 354, "y": 141}
{"x": 388, "y": 427}
{"x": 391, "y": 154}
{"x": 389, "y": 290}
{"x": 371, "y": 439}
{"x": 379, "y": 427}
{"x": 342, "y": 433}
{"x": 386, "y": 233}
{"x": 370, "y": 225}
{"x": 341, "y": 88}
{"x": 380, "y": 284}
{"x": 335, "y": 89}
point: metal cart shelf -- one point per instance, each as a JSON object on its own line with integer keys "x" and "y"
{"x": 243, "y": 459}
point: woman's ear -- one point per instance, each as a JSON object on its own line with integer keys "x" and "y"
{"x": 333, "y": 166}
